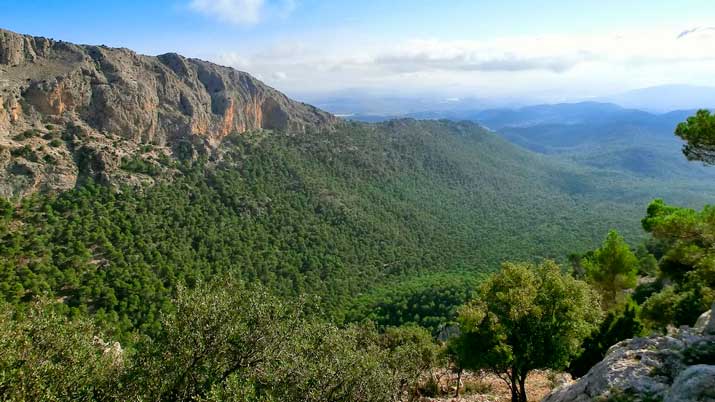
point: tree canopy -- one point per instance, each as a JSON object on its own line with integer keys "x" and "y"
{"x": 687, "y": 265}
{"x": 698, "y": 132}
{"x": 611, "y": 269}
{"x": 526, "y": 317}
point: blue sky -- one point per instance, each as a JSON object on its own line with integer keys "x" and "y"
{"x": 548, "y": 48}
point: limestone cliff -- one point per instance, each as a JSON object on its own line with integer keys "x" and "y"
{"x": 115, "y": 101}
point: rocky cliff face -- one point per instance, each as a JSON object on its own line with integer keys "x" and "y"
{"x": 679, "y": 367}
{"x": 113, "y": 100}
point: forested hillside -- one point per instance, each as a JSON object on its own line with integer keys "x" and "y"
{"x": 330, "y": 214}
{"x": 600, "y": 135}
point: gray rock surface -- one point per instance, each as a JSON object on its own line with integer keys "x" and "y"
{"x": 695, "y": 384}
{"x": 677, "y": 367}
{"x": 122, "y": 100}
{"x": 709, "y": 321}
{"x": 705, "y": 323}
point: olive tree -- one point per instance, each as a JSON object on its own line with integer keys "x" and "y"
{"x": 526, "y": 317}
{"x": 331, "y": 364}
{"x": 411, "y": 352}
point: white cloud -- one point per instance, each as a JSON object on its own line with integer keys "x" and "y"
{"x": 477, "y": 56}
{"x": 233, "y": 59}
{"x": 561, "y": 65}
{"x": 243, "y": 12}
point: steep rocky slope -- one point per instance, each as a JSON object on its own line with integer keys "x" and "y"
{"x": 678, "y": 367}
{"x": 114, "y": 100}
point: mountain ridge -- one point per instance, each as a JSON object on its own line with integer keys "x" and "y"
{"x": 664, "y": 98}
{"x": 118, "y": 100}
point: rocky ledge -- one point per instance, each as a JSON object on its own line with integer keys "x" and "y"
{"x": 679, "y": 367}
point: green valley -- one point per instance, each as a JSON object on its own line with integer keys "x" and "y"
{"x": 331, "y": 214}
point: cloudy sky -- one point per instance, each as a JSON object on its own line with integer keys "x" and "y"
{"x": 550, "y": 49}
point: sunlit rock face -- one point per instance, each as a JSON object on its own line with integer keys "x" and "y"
{"x": 115, "y": 93}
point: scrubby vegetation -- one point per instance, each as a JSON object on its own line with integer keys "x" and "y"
{"x": 223, "y": 341}
{"x": 686, "y": 275}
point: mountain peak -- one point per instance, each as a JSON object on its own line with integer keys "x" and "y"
{"x": 165, "y": 100}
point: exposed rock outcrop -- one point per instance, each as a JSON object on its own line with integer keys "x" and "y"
{"x": 706, "y": 323}
{"x": 696, "y": 383}
{"x": 673, "y": 368}
{"x": 117, "y": 95}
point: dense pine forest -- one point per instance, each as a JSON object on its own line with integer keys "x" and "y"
{"x": 333, "y": 215}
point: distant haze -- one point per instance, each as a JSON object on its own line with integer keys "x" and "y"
{"x": 369, "y": 105}
{"x": 666, "y": 98}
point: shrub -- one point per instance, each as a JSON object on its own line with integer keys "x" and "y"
{"x": 477, "y": 386}
{"x": 619, "y": 325}
{"x": 27, "y": 134}
{"x": 139, "y": 165}
{"x": 46, "y": 357}
{"x": 25, "y": 152}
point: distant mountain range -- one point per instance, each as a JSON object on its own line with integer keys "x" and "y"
{"x": 665, "y": 98}
{"x": 600, "y": 135}
{"x": 366, "y": 106}
{"x": 594, "y": 134}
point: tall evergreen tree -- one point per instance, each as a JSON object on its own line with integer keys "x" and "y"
{"x": 611, "y": 269}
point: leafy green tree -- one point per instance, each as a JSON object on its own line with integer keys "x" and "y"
{"x": 526, "y": 317}
{"x": 698, "y": 132}
{"x": 6, "y": 208}
{"x": 461, "y": 355}
{"x": 611, "y": 269}
{"x": 225, "y": 341}
{"x": 328, "y": 364}
{"x": 647, "y": 263}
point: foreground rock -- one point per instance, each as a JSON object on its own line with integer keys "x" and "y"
{"x": 116, "y": 101}
{"x": 672, "y": 368}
